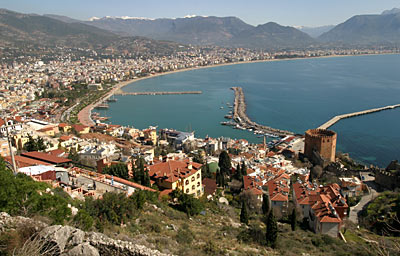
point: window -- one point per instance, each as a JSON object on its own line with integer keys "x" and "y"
{"x": 193, "y": 187}
{"x": 198, "y": 175}
{"x": 193, "y": 178}
{"x": 187, "y": 182}
{"x": 198, "y": 184}
{"x": 187, "y": 191}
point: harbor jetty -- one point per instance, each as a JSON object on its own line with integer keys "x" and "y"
{"x": 120, "y": 92}
{"x": 244, "y": 122}
{"x": 336, "y": 119}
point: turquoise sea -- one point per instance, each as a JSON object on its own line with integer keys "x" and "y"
{"x": 292, "y": 94}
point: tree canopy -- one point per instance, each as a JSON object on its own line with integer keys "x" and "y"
{"x": 224, "y": 163}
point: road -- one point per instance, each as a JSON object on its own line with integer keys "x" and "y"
{"x": 369, "y": 180}
{"x": 65, "y": 116}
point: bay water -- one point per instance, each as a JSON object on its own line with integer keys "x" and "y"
{"x": 294, "y": 95}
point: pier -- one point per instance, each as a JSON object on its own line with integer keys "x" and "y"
{"x": 120, "y": 92}
{"x": 240, "y": 116}
{"x": 336, "y": 119}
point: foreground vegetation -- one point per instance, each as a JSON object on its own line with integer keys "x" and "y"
{"x": 187, "y": 226}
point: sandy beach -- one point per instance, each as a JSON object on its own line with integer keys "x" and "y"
{"x": 84, "y": 116}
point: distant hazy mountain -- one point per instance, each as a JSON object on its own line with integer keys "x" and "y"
{"x": 393, "y": 11}
{"x": 62, "y": 18}
{"x": 221, "y": 31}
{"x": 367, "y": 30}
{"x": 316, "y": 31}
{"x": 272, "y": 36}
{"x": 20, "y": 30}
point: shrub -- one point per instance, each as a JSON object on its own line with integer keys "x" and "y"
{"x": 184, "y": 235}
{"x": 83, "y": 220}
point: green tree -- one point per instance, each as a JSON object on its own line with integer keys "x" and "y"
{"x": 272, "y": 230}
{"x": 205, "y": 171}
{"x": 73, "y": 155}
{"x": 293, "y": 219}
{"x": 266, "y": 204}
{"x": 220, "y": 179}
{"x": 244, "y": 168}
{"x": 188, "y": 204}
{"x": 244, "y": 216}
{"x": 224, "y": 163}
{"x": 146, "y": 179}
{"x": 238, "y": 173}
{"x": 83, "y": 220}
{"x": 119, "y": 170}
{"x": 34, "y": 144}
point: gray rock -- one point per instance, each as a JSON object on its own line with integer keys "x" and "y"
{"x": 84, "y": 249}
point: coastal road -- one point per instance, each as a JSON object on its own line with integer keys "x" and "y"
{"x": 369, "y": 181}
{"x": 65, "y": 115}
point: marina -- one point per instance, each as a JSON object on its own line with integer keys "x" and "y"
{"x": 244, "y": 122}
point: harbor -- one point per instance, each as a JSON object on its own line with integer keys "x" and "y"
{"x": 243, "y": 122}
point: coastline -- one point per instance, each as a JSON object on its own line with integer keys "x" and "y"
{"x": 84, "y": 116}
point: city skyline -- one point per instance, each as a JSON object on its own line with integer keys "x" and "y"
{"x": 312, "y": 13}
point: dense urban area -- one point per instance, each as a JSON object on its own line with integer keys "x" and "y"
{"x": 71, "y": 182}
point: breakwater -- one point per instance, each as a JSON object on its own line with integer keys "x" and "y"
{"x": 120, "y": 92}
{"x": 243, "y": 121}
{"x": 359, "y": 113}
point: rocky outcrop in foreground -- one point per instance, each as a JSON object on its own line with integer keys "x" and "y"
{"x": 67, "y": 240}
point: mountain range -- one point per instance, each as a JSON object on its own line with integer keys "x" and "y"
{"x": 166, "y": 35}
{"x": 31, "y": 30}
{"x": 383, "y": 29}
{"x": 198, "y": 30}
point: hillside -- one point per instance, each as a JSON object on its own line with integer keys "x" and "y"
{"x": 117, "y": 223}
{"x": 221, "y": 31}
{"x": 381, "y": 29}
{"x": 22, "y": 30}
{"x": 272, "y": 36}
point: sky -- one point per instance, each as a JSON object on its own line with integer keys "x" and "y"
{"x": 285, "y": 12}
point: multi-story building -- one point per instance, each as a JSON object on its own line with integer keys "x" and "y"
{"x": 184, "y": 175}
{"x": 4, "y": 149}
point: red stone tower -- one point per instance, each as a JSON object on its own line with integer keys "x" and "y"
{"x": 321, "y": 141}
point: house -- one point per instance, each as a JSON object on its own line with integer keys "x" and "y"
{"x": 4, "y": 149}
{"x": 176, "y": 138}
{"x": 324, "y": 207}
{"x": 50, "y": 130}
{"x": 151, "y": 134}
{"x": 183, "y": 175}
{"x": 351, "y": 187}
{"x": 81, "y": 129}
{"x": 65, "y": 128}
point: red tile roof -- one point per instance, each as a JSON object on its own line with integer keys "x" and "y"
{"x": 46, "y": 157}
{"x": 21, "y": 161}
{"x": 173, "y": 170}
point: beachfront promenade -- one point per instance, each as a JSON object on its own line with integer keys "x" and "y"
{"x": 240, "y": 116}
{"x": 359, "y": 113}
{"x": 120, "y": 92}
